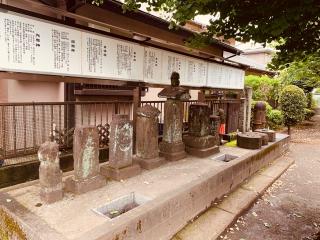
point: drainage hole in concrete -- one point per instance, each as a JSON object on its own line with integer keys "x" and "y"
{"x": 224, "y": 157}
{"x": 121, "y": 205}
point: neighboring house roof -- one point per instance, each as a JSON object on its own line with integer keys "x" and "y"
{"x": 258, "y": 50}
{"x": 251, "y": 65}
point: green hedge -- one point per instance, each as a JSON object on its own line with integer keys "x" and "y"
{"x": 275, "y": 119}
{"x": 293, "y": 103}
{"x": 264, "y": 88}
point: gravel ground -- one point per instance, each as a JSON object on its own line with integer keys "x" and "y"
{"x": 290, "y": 208}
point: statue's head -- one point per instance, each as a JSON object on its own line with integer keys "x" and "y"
{"x": 175, "y": 79}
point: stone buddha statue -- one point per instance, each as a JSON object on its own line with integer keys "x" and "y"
{"x": 174, "y": 91}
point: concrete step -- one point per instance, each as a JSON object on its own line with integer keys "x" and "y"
{"x": 212, "y": 223}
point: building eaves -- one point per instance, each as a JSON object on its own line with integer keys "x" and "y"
{"x": 116, "y": 6}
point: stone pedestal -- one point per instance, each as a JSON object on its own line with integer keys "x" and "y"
{"x": 120, "y": 150}
{"x": 147, "y": 138}
{"x": 199, "y": 142}
{"x": 249, "y": 140}
{"x": 86, "y": 161}
{"x": 264, "y": 138}
{"x": 271, "y": 134}
{"x": 50, "y": 175}
{"x": 172, "y": 147}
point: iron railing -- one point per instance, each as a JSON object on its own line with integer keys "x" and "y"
{"x": 25, "y": 126}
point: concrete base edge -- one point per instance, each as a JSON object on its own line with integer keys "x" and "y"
{"x": 224, "y": 214}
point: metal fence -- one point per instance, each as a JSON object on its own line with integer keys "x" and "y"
{"x": 25, "y": 126}
{"x": 214, "y": 105}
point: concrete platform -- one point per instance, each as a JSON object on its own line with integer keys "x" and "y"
{"x": 178, "y": 192}
{"x": 222, "y": 215}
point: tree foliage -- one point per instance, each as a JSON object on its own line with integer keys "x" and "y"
{"x": 293, "y": 103}
{"x": 294, "y": 24}
{"x": 304, "y": 73}
{"x": 264, "y": 88}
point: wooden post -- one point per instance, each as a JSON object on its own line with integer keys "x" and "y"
{"x": 227, "y": 116}
{"x": 136, "y": 105}
{"x": 70, "y": 109}
{"x": 201, "y": 96}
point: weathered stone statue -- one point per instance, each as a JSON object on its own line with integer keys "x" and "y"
{"x": 199, "y": 142}
{"x": 120, "y": 150}
{"x": 86, "y": 161}
{"x": 172, "y": 147}
{"x": 147, "y": 147}
{"x": 50, "y": 175}
{"x": 259, "y": 116}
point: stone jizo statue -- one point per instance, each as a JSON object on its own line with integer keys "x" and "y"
{"x": 172, "y": 147}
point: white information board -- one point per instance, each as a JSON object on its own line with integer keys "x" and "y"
{"x": 129, "y": 60}
{"x": 29, "y": 45}
{"x": 32, "y": 45}
{"x": 152, "y": 69}
{"x": 110, "y": 58}
{"x": 96, "y": 56}
{"x": 172, "y": 62}
{"x": 220, "y": 76}
{"x": 196, "y": 72}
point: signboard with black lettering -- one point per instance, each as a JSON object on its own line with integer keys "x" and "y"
{"x": 29, "y": 45}
{"x": 172, "y": 62}
{"x": 220, "y": 76}
{"x": 33, "y": 45}
{"x": 152, "y": 68}
{"x": 105, "y": 57}
{"x": 196, "y": 72}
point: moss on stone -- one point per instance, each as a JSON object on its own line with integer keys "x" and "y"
{"x": 231, "y": 144}
{"x": 9, "y": 227}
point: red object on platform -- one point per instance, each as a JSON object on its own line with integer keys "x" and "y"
{"x": 222, "y": 129}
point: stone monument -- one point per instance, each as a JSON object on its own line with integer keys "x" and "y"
{"x": 120, "y": 150}
{"x": 86, "y": 161}
{"x": 199, "y": 142}
{"x": 147, "y": 138}
{"x": 172, "y": 146}
{"x": 50, "y": 175}
{"x": 259, "y": 116}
